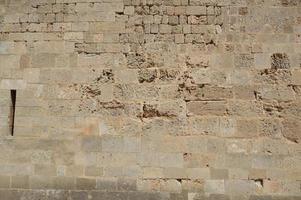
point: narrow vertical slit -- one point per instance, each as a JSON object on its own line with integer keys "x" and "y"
{"x": 13, "y": 95}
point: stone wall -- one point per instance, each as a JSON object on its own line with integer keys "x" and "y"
{"x": 150, "y": 99}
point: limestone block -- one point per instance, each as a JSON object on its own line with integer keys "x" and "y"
{"x": 50, "y": 47}
{"x": 164, "y": 28}
{"x": 67, "y": 183}
{"x": 20, "y": 182}
{"x": 131, "y": 144}
{"x": 73, "y": 36}
{"x": 198, "y": 173}
{"x": 239, "y": 146}
{"x": 9, "y": 61}
{"x": 129, "y": 10}
{"x": 261, "y": 61}
{"x": 279, "y": 93}
{"x": 257, "y": 174}
{"x": 152, "y": 172}
{"x": 214, "y": 186}
{"x": 41, "y": 182}
{"x": 238, "y": 173}
{"x": 85, "y": 183}
{"x": 126, "y": 76}
{"x": 4, "y": 181}
{"x": 217, "y": 174}
{"x": 170, "y": 186}
{"x": 91, "y": 144}
{"x": 107, "y": 184}
{"x": 245, "y": 108}
{"x": 44, "y": 60}
{"x": 44, "y": 170}
{"x": 148, "y": 185}
{"x": 196, "y": 10}
{"x": 102, "y": 27}
{"x": 247, "y": 128}
{"x": 238, "y": 161}
{"x": 291, "y": 129}
{"x": 296, "y": 79}
{"x": 55, "y": 75}
{"x": 240, "y": 187}
{"x": 112, "y": 144}
{"x": 215, "y": 108}
{"x": 10, "y": 84}
{"x": 93, "y": 171}
{"x": 175, "y": 173}
{"x": 144, "y": 99}
{"x": 171, "y": 160}
{"x": 126, "y": 184}
{"x": 244, "y": 60}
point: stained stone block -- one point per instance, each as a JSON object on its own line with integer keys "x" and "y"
{"x": 66, "y": 183}
{"x": 85, "y": 184}
{"x": 280, "y": 61}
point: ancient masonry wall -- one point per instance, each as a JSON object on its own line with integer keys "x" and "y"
{"x": 150, "y": 99}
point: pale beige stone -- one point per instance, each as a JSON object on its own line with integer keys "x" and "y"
{"x": 150, "y": 99}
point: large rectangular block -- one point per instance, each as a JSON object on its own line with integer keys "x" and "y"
{"x": 196, "y": 10}
{"x": 107, "y": 27}
{"x": 9, "y": 61}
{"x": 10, "y": 84}
{"x": 85, "y": 184}
{"x": 217, "y": 108}
{"x": 4, "y": 181}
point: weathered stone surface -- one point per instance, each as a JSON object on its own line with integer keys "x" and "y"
{"x": 150, "y": 99}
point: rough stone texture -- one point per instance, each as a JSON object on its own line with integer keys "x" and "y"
{"x": 150, "y": 99}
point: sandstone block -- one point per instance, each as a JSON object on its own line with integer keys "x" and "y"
{"x": 164, "y": 28}
{"x": 4, "y": 181}
{"x": 198, "y": 173}
{"x": 66, "y": 183}
{"x": 13, "y": 84}
{"x": 152, "y": 172}
{"x": 196, "y": 10}
{"x": 216, "y": 108}
{"x": 41, "y": 182}
{"x": 20, "y": 182}
{"x": 291, "y": 129}
{"x": 240, "y": 187}
{"x": 170, "y": 186}
{"x": 126, "y": 184}
{"x": 93, "y": 171}
{"x": 129, "y": 10}
{"x": 214, "y": 186}
{"x": 296, "y": 79}
{"x": 107, "y": 27}
{"x": 85, "y": 184}
{"x": 91, "y": 144}
{"x": 106, "y": 184}
{"x": 44, "y": 170}
{"x": 217, "y": 174}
